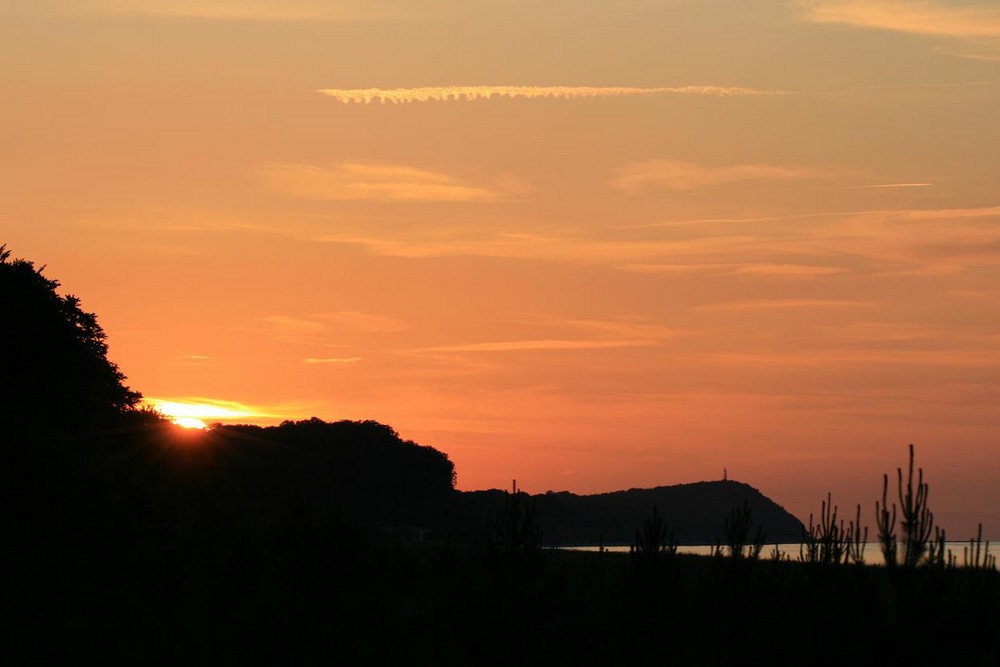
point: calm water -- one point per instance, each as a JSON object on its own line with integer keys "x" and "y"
{"x": 873, "y": 555}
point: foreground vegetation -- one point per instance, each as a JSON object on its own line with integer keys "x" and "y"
{"x": 308, "y": 593}
{"x": 143, "y": 547}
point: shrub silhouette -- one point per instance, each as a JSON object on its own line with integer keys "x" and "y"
{"x": 652, "y": 555}
{"x": 653, "y": 546}
{"x": 511, "y": 537}
{"x": 975, "y": 556}
{"x": 737, "y": 529}
{"x": 830, "y": 542}
{"x": 53, "y": 356}
{"x": 917, "y": 520}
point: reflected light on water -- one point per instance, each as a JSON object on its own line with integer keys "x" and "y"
{"x": 872, "y": 552}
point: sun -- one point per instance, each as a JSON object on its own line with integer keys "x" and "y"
{"x": 191, "y": 413}
{"x": 190, "y": 422}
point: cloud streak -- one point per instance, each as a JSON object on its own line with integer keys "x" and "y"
{"x": 889, "y": 186}
{"x": 206, "y": 408}
{"x": 773, "y": 304}
{"x": 372, "y": 182}
{"x": 682, "y": 175}
{"x": 293, "y": 330}
{"x": 364, "y": 322}
{"x": 883, "y": 242}
{"x": 331, "y": 361}
{"x": 214, "y": 410}
{"x": 763, "y": 269}
{"x": 473, "y": 93}
{"x": 250, "y": 10}
{"x": 925, "y": 18}
{"x": 544, "y": 344}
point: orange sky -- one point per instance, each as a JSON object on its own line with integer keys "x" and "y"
{"x": 590, "y": 245}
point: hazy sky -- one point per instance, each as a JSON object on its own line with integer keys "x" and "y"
{"x": 590, "y": 245}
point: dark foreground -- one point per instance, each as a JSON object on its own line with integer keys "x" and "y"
{"x": 312, "y": 594}
{"x": 153, "y": 550}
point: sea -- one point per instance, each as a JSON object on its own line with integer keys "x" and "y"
{"x": 872, "y": 552}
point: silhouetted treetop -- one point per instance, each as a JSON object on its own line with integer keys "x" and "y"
{"x": 53, "y": 356}
{"x": 363, "y": 465}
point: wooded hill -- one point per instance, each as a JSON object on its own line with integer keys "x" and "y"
{"x": 694, "y": 513}
{"x": 365, "y": 471}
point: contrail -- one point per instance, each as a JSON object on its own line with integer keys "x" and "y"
{"x": 470, "y": 93}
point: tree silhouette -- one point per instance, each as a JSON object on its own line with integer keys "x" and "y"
{"x": 54, "y": 369}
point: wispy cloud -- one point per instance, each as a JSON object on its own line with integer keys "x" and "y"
{"x": 895, "y": 332}
{"x": 212, "y": 410}
{"x": 195, "y": 360}
{"x": 294, "y": 330}
{"x": 618, "y": 328}
{"x": 750, "y": 269}
{"x": 889, "y": 186}
{"x": 472, "y": 93}
{"x": 882, "y": 242}
{"x": 544, "y": 344}
{"x": 726, "y": 221}
{"x": 365, "y": 322}
{"x": 925, "y": 17}
{"x": 313, "y": 329}
{"x": 553, "y": 248}
{"x": 209, "y": 408}
{"x": 682, "y": 175}
{"x": 909, "y": 214}
{"x": 806, "y": 270}
{"x": 773, "y": 304}
{"x": 941, "y": 213}
{"x": 331, "y": 361}
{"x": 252, "y": 10}
{"x": 376, "y": 182}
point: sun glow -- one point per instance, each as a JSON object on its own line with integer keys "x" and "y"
{"x": 190, "y": 422}
{"x": 193, "y": 413}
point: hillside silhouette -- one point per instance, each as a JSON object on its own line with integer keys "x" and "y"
{"x": 696, "y": 513}
{"x": 366, "y": 471}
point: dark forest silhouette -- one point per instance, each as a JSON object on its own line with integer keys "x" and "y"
{"x": 129, "y": 539}
{"x": 54, "y": 357}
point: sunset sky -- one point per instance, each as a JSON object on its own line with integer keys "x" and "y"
{"x": 588, "y": 245}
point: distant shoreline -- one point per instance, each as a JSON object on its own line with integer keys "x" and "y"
{"x": 789, "y": 550}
